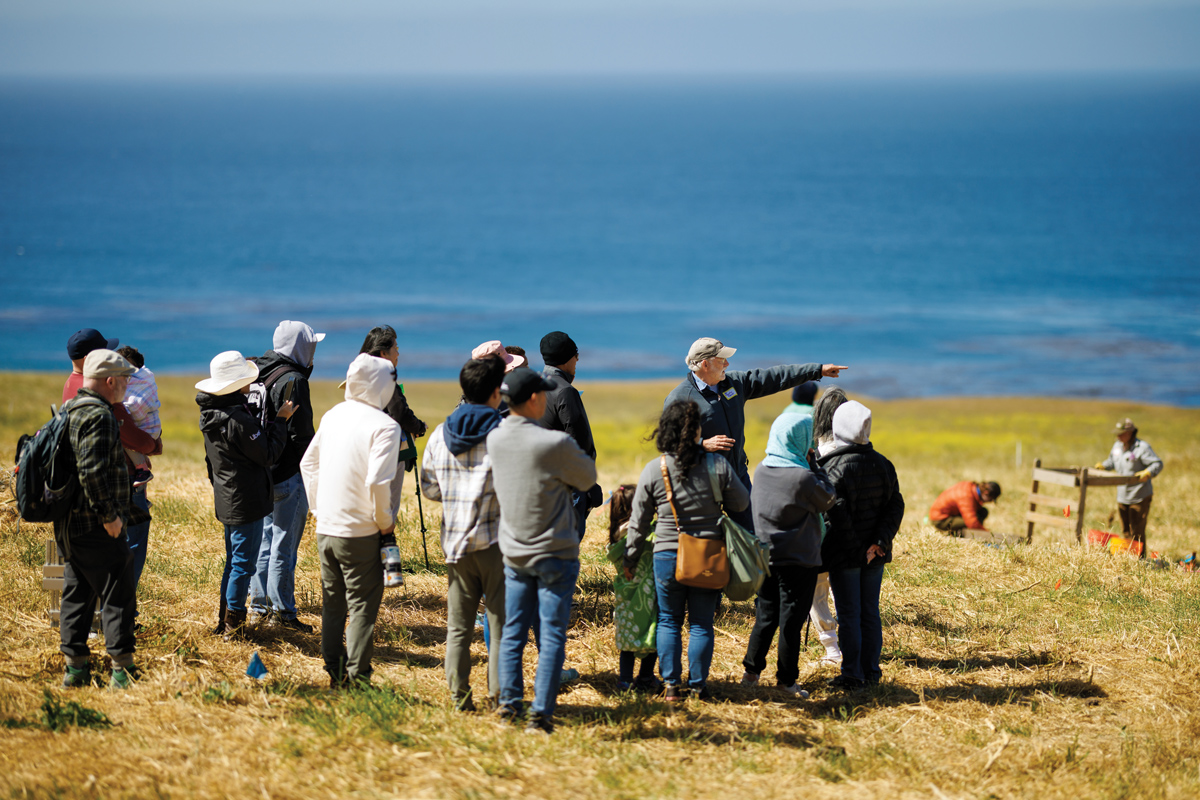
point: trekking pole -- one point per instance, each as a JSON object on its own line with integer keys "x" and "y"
{"x": 421, "y": 514}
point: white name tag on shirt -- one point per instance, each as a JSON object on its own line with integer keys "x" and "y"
{"x": 729, "y": 393}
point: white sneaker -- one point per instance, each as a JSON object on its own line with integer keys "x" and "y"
{"x": 796, "y": 690}
{"x": 832, "y": 656}
{"x": 749, "y": 679}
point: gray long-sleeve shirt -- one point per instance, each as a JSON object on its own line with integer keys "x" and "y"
{"x": 788, "y": 502}
{"x": 533, "y": 471}
{"x": 699, "y": 513}
{"x": 1127, "y": 462}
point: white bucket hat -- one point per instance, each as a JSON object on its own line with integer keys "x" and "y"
{"x": 230, "y": 372}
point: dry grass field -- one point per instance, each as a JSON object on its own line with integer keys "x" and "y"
{"x": 1049, "y": 671}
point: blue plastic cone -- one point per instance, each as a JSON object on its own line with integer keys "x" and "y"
{"x": 257, "y": 669}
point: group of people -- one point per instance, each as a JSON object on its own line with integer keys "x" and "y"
{"x": 514, "y": 467}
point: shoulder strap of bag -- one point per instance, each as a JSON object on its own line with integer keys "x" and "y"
{"x": 709, "y": 460}
{"x": 662, "y": 462}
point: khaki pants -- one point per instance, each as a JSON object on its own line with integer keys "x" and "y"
{"x": 1133, "y": 521}
{"x": 475, "y": 575}
{"x": 351, "y": 589}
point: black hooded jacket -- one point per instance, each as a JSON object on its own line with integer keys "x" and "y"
{"x": 300, "y": 429}
{"x": 868, "y": 509}
{"x": 239, "y": 455}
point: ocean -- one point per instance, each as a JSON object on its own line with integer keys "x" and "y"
{"x": 973, "y": 236}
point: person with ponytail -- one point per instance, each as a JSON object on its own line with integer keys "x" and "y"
{"x": 685, "y": 463}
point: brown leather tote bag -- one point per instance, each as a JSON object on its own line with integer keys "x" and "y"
{"x": 699, "y": 563}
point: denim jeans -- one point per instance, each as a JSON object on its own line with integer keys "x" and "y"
{"x": 860, "y": 631}
{"x": 700, "y": 605}
{"x": 241, "y": 549}
{"x": 783, "y": 602}
{"x": 138, "y": 537}
{"x": 274, "y": 585}
{"x": 543, "y": 591}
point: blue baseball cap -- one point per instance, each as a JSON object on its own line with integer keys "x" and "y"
{"x": 85, "y": 341}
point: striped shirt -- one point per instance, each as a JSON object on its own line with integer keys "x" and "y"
{"x": 463, "y": 485}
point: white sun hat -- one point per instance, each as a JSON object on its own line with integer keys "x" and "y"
{"x": 230, "y": 372}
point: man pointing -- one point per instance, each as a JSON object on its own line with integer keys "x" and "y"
{"x": 722, "y": 395}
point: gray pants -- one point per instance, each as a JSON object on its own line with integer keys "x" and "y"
{"x": 475, "y": 575}
{"x": 351, "y": 586}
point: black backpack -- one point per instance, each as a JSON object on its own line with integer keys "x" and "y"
{"x": 46, "y": 479}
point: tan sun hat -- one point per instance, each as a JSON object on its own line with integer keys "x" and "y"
{"x": 1124, "y": 425}
{"x": 708, "y": 348}
{"x": 230, "y": 372}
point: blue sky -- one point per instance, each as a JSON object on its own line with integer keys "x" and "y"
{"x": 224, "y": 38}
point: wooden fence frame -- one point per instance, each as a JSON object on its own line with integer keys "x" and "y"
{"x": 1074, "y": 477}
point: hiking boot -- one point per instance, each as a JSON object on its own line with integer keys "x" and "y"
{"x": 122, "y": 678}
{"x": 539, "y": 724}
{"x": 673, "y": 693}
{"x": 624, "y": 686}
{"x": 465, "y": 704}
{"x": 569, "y": 674}
{"x": 294, "y": 624}
{"x": 77, "y": 677}
{"x": 220, "y": 629}
{"x": 749, "y": 678}
{"x": 705, "y": 695}
{"x": 796, "y": 690}
{"x": 235, "y": 625}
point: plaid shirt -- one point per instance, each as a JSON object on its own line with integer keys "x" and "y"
{"x": 104, "y": 488}
{"x": 463, "y": 484}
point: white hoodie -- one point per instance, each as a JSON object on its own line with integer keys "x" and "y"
{"x": 350, "y": 465}
{"x": 851, "y": 424}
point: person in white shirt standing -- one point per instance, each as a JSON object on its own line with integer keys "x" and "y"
{"x": 348, "y": 471}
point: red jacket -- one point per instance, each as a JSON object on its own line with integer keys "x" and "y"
{"x": 960, "y": 500}
{"x": 132, "y": 437}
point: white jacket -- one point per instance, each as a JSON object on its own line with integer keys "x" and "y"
{"x": 349, "y": 467}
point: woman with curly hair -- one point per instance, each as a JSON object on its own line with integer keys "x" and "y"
{"x": 687, "y": 467}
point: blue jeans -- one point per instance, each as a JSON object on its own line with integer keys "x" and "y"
{"x": 241, "y": 550}
{"x": 700, "y": 605}
{"x": 138, "y": 537}
{"x": 542, "y": 591}
{"x": 860, "y": 631}
{"x": 274, "y": 584}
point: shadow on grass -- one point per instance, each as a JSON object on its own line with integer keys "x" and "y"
{"x": 845, "y": 706}
{"x": 980, "y": 662}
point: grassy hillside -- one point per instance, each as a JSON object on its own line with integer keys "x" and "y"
{"x": 1051, "y": 670}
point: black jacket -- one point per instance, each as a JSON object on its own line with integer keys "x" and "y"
{"x": 565, "y": 412}
{"x": 300, "y": 430}
{"x": 725, "y": 415}
{"x": 239, "y": 455}
{"x": 868, "y": 509}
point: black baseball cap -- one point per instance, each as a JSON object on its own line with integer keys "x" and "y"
{"x": 85, "y": 341}
{"x": 521, "y": 384}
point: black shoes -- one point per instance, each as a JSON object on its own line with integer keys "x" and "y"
{"x": 845, "y": 683}
{"x": 539, "y": 724}
{"x": 293, "y": 624}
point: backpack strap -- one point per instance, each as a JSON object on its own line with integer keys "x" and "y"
{"x": 662, "y": 462}
{"x": 274, "y": 375}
